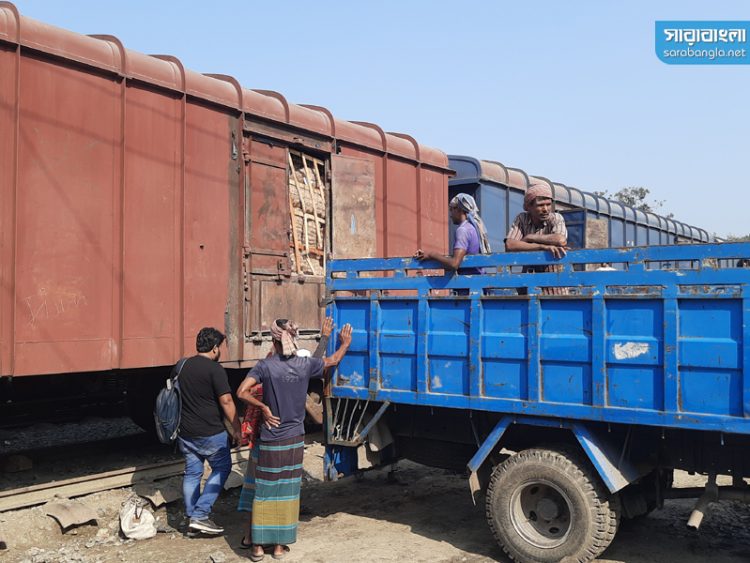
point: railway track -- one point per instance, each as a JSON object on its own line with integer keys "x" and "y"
{"x": 149, "y": 476}
{"x": 19, "y": 415}
{"x": 43, "y": 456}
{"x": 60, "y": 442}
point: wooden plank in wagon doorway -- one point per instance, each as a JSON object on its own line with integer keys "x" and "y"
{"x": 353, "y": 214}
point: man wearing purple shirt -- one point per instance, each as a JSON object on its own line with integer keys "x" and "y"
{"x": 467, "y": 240}
{"x": 470, "y": 236}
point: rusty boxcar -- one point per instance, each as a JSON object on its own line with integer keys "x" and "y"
{"x": 141, "y": 201}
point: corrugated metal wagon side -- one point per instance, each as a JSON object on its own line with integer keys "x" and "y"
{"x": 116, "y": 197}
{"x": 142, "y": 201}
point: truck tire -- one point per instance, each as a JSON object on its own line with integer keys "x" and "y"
{"x": 548, "y": 505}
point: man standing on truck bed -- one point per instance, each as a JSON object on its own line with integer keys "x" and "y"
{"x": 539, "y": 227}
{"x": 206, "y": 402}
{"x": 471, "y": 236}
{"x": 278, "y": 474}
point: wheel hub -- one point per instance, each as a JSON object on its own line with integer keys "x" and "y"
{"x": 540, "y": 513}
{"x": 547, "y": 509}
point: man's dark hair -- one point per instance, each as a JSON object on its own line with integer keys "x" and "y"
{"x": 208, "y": 337}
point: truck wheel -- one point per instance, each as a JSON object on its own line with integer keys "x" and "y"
{"x": 546, "y": 505}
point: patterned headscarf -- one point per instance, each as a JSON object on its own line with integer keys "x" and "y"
{"x": 286, "y": 334}
{"x": 467, "y": 204}
{"x": 535, "y": 191}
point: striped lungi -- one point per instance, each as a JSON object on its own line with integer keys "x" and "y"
{"x": 278, "y": 477}
{"x": 247, "y": 495}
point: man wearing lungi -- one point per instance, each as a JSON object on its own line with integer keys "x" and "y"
{"x": 252, "y": 423}
{"x": 278, "y": 474}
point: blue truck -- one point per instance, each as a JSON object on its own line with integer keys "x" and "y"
{"x": 569, "y": 395}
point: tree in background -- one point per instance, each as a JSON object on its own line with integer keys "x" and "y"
{"x": 637, "y": 197}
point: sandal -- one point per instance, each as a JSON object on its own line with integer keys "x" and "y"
{"x": 258, "y": 556}
{"x": 283, "y": 553}
{"x": 244, "y": 545}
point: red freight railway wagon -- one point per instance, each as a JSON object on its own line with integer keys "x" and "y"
{"x": 140, "y": 201}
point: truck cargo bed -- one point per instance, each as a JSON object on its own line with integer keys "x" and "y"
{"x": 658, "y": 336}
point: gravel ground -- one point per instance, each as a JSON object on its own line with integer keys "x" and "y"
{"x": 426, "y": 516}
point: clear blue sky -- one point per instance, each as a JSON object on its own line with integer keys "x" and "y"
{"x": 572, "y": 91}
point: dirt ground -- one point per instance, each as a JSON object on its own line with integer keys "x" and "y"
{"x": 426, "y": 515}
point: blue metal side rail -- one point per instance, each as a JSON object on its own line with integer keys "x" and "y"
{"x": 661, "y": 340}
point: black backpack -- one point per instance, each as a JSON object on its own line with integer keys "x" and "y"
{"x": 168, "y": 408}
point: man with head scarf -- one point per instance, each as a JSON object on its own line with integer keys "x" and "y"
{"x": 278, "y": 473}
{"x": 471, "y": 236}
{"x": 538, "y": 227}
{"x": 253, "y": 421}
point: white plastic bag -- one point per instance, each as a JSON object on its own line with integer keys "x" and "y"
{"x": 136, "y": 522}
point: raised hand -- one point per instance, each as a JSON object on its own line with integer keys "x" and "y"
{"x": 327, "y": 327}
{"x": 345, "y": 335}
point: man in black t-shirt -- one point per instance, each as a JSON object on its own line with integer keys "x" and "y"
{"x": 206, "y": 402}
